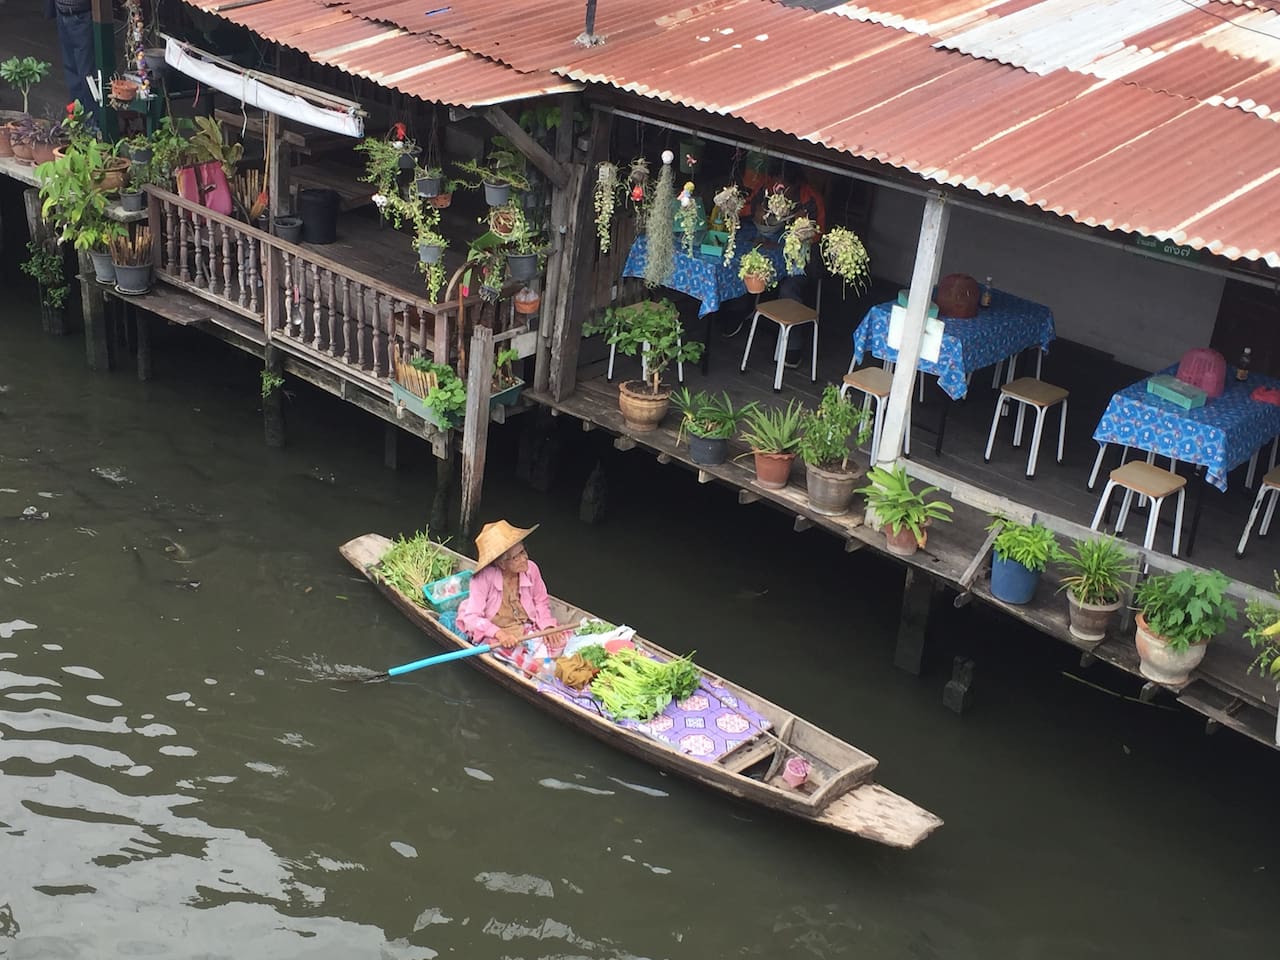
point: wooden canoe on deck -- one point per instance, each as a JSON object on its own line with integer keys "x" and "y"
{"x": 839, "y": 793}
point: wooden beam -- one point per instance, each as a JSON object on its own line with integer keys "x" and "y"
{"x": 933, "y": 235}
{"x": 624, "y": 443}
{"x": 853, "y": 546}
{"x": 556, "y": 292}
{"x": 587, "y": 426}
{"x": 971, "y": 572}
{"x": 277, "y": 154}
{"x": 475, "y": 425}
{"x": 664, "y": 458}
{"x": 705, "y": 477}
{"x": 501, "y": 121}
{"x": 94, "y": 305}
{"x": 746, "y": 496}
{"x": 802, "y": 523}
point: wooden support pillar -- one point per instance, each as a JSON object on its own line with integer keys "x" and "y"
{"x": 444, "y": 486}
{"x": 391, "y": 446}
{"x": 94, "y": 304}
{"x": 591, "y": 507}
{"x": 933, "y": 235}
{"x": 273, "y": 403}
{"x": 104, "y": 55}
{"x": 560, "y": 260}
{"x": 143, "y": 320}
{"x": 475, "y": 425}
{"x": 956, "y": 694}
{"x": 913, "y": 625}
{"x": 277, "y": 154}
{"x": 566, "y": 333}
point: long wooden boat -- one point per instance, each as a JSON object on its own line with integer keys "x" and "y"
{"x": 839, "y": 792}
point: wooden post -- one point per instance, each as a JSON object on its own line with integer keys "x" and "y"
{"x": 475, "y": 426}
{"x": 94, "y": 303}
{"x": 142, "y": 319}
{"x": 554, "y": 171}
{"x": 933, "y": 234}
{"x": 277, "y": 153}
{"x": 566, "y": 333}
{"x": 391, "y": 446}
{"x": 560, "y": 261}
{"x": 913, "y": 625}
{"x": 273, "y": 403}
{"x": 104, "y": 55}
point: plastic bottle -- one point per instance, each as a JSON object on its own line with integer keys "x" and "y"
{"x": 985, "y": 299}
{"x": 547, "y": 672}
{"x": 1242, "y": 365}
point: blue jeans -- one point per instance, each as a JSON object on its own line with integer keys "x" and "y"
{"x": 75, "y": 33}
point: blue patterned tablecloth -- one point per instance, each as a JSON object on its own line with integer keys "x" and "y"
{"x": 1219, "y": 436}
{"x": 1008, "y": 326}
{"x": 703, "y": 276}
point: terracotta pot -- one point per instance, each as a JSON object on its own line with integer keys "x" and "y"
{"x": 754, "y": 284}
{"x": 22, "y": 152}
{"x": 642, "y": 411}
{"x": 1089, "y": 621}
{"x": 123, "y": 90}
{"x": 1163, "y": 664}
{"x": 527, "y": 306}
{"x": 773, "y": 470}
{"x": 59, "y": 152}
{"x": 830, "y": 491}
{"x": 903, "y": 543}
{"x": 442, "y": 200}
{"x": 41, "y": 152}
{"x": 6, "y": 148}
{"x": 112, "y": 175}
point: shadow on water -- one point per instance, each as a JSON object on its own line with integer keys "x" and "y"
{"x": 184, "y": 772}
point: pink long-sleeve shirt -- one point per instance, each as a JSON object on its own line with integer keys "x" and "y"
{"x": 486, "y": 597}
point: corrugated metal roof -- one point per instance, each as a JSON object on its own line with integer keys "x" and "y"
{"x": 416, "y": 64}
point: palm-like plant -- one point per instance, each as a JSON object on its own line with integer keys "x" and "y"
{"x": 898, "y": 506}
{"x": 776, "y": 430}
{"x": 1099, "y": 567}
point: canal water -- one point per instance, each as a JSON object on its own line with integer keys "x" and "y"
{"x": 182, "y": 776}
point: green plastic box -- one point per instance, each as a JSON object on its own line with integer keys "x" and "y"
{"x": 1175, "y": 391}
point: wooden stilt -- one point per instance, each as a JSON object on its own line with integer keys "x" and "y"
{"x": 624, "y": 443}
{"x": 560, "y": 261}
{"x": 93, "y": 303}
{"x": 273, "y": 403}
{"x": 746, "y": 496}
{"x": 391, "y": 446}
{"x": 591, "y": 508}
{"x": 913, "y": 624}
{"x": 143, "y": 320}
{"x": 475, "y": 426}
{"x": 444, "y": 485}
{"x": 956, "y": 694}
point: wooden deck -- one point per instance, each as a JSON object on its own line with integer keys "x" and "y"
{"x": 1222, "y": 690}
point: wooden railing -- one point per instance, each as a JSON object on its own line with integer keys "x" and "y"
{"x": 293, "y": 293}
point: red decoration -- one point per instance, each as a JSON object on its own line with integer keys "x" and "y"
{"x": 637, "y": 193}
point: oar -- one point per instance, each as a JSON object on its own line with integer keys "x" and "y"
{"x": 456, "y": 655}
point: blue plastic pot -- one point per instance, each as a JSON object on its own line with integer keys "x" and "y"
{"x": 1012, "y": 582}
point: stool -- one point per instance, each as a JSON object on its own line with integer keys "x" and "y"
{"x": 874, "y": 382}
{"x": 786, "y": 314}
{"x": 1030, "y": 392}
{"x": 1270, "y": 485}
{"x": 1147, "y": 480}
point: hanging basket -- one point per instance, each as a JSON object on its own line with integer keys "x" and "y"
{"x": 496, "y": 194}
{"x": 430, "y": 252}
{"x": 522, "y": 266}
{"x": 428, "y": 187}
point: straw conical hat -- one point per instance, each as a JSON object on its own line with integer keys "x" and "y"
{"x": 497, "y": 538}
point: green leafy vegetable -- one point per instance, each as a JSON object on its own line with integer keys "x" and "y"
{"x": 632, "y": 686}
{"x": 592, "y": 627}
{"x": 411, "y": 564}
{"x": 595, "y": 654}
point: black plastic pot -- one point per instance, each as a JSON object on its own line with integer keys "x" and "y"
{"x": 522, "y": 266}
{"x": 428, "y": 186}
{"x": 140, "y": 155}
{"x": 318, "y": 209}
{"x": 429, "y": 252}
{"x": 104, "y": 271}
{"x": 133, "y": 280}
{"x": 289, "y": 229}
{"x": 708, "y": 451}
{"x": 134, "y": 201}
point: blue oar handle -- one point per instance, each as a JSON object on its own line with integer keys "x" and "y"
{"x": 440, "y": 658}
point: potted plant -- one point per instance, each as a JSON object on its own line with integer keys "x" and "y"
{"x": 824, "y": 447}
{"x": 131, "y": 258}
{"x": 436, "y": 393}
{"x": 757, "y": 272}
{"x": 502, "y": 171}
{"x": 382, "y": 164}
{"x": 904, "y": 513}
{"x": 1264, "y": 636}
{"x": 431, "y": 244}
{"x": 1178, "y": 613}
{"x": 506, "y": 385}
{"x": 653, "y": 330}
{"x": 729, "y": 202}
{"x": 22, "y": 134}
{"x": 445, "y": 196}
{"x": 526, "y": 301}
{"x": 428, "y": 181}
{"x": 69, "y": 197}
{"x": 23, "y": 73}
{"x": 709, "y": 421}
{"x": 45, "y": 267}
{"x": 773, "y": 435}
{"x": 777, "y": 209}
{"x": 45, "y": 136}
{"x": 1022, "y": 551}
{"x": 140, "y": 149}
{"x": 846, "y": 257}
{"x": 604, "y": 197}
{"x": 1095, "y": 585}
{"x": 797, "y": 241}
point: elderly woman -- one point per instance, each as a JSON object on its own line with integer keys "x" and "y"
{"x": 508, "y": 597}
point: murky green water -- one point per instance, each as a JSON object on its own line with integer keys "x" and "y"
{"x": 180, "y": 776}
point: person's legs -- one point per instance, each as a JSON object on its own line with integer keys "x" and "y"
{"x": 75, "y": 34}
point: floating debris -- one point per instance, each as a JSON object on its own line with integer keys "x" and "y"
{"x": 553, "y": 784}
{"x": 408, "y": 851}
{"x": 87, "y": 673}
{"x": 477, "y": 774}
{"x": 525, "y": 883}
{"x": 32, "y": 513}
{"x": 114, "y": 475}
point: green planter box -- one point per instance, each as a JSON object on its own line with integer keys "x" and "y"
{"x": 417, "y": 406}
{"x": 507, "y": 397}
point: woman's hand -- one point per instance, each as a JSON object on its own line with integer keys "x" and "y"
{"x": 506, "y": 638}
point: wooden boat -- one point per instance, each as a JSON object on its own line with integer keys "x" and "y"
{"x": 838, "y": 793}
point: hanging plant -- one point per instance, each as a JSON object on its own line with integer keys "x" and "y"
{"x": 604, "y": 199}
{"x": 638, "y": 186}
{"x": 661, "y": 259}
{"x": 687, "y": 217}
{"x": 730, "y": 202}
{"x": 846, "y": 257}
{"x": 796, "y": 242}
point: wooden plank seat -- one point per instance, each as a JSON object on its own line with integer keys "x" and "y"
{"x": 1146, "y": 480}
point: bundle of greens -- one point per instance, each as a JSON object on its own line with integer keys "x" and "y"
{"x": 630, "y": 685}
{"x": 595, "y": 654}
{"x": 411, "y": 564}
{"x": 590, "y": 627}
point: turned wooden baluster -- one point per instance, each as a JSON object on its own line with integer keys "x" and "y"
{"x": 335, "y": 331}
{"x": 318, "y": 330}
{"x": 379, "y": 335}
{"x": 290, "y": 296}
{"x": 255, "y": 271}
{"x": 228, "y": 265}
{"x": 184, "y": 247}
{"x": 198, "y": 248}
{"x": 171, "y": 236}
{"x": 304, "y": 300}
{"x": 363, "y": 312}
{"x": 349, "y": 323}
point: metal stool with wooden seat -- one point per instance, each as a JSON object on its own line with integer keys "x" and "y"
{"x": 1270, "y": 486}
{"x": 874, "y": 382}
{"x": 1030, "y": 392}
{"x": 786, "y": 314}
{"x": 1147, "y": 480}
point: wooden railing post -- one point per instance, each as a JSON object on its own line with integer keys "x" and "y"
{"x": 271, "y": 320}
{"x": 475, "y": 427}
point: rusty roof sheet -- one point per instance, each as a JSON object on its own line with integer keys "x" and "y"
{"x": 417, "y": 64}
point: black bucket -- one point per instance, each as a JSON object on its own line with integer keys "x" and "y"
{"x": 318, "y": 209}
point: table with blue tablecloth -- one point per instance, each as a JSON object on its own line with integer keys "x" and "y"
{"x": 703, "y": 276}
{"x": 1000, "y": 331}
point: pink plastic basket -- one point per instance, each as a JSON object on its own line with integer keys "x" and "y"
{"x": 1205, "y": 368}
